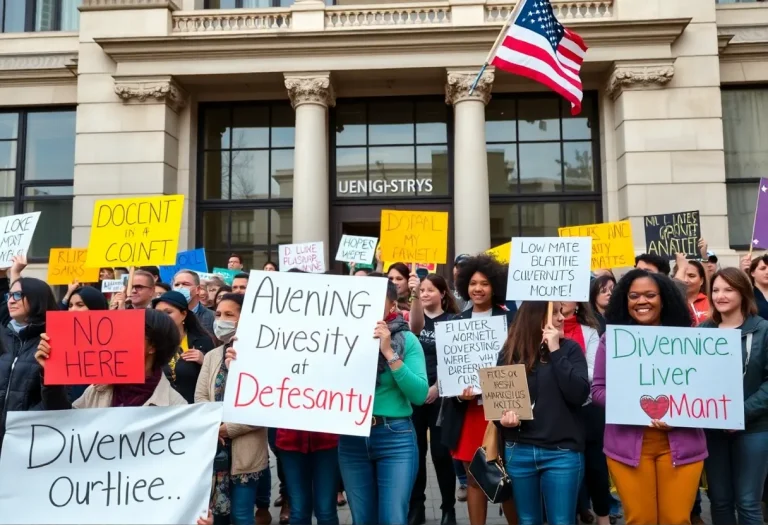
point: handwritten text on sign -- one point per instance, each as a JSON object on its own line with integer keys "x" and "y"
{"x": 95, "y": 347}
{"x": 135, "y": 232}
{"x": 356, "y": 249}
{"x": 308, "y": 257}
{"x": 549, "y": 269}
{"x": 142, "y": 465}
{"x": 686, "y": 377}
{"x": 673, "y": 233}
{"x": 306, "y": 353}
{"x": 414, "y": 236}
{"x": 463, "y": 347}
{"x": 67, "y": 265}
{"x": 611, "y": 243}
{"x": 16, "y": 233}
{"x": 505, "y": 389}
{"x": 188, "y": 260}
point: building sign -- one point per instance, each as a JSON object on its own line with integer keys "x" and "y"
{"x": 383, "y": 187}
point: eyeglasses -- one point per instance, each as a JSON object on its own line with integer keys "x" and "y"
{"x": 140, "y": 287}
{"x": 636, "y": 296}
{"x": 16, "y": 296}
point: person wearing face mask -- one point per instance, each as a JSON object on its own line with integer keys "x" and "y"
{"x": 245, "y": 446}
{"x": 188, "y": 283}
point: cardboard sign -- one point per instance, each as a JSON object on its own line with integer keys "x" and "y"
{"x": 356, "y": 249}
{"x": 501, "y": 253}
{"x": 505, "y": 388}
{"x": 673, "y": 233}
{"x": 685, "y": 377}
{"x": 135, "y": 232}
{"x": 308, "y": 256}
{"x": 189, "y": 260}
{"x": 16, "y": 233}
{"x": 612, "y": 245}
{"x": 95, "y": 347}
{"x": 112, "y": 285}
{"x": 226, "y": 274}
{"x": 104, "y": 466}
{"x": 463, "y": 347}
{"x": 414, "y": 236}
{"x": 306, "y": 353}
{"x": 67, "y": 265}
{"x": 549, "y": 269}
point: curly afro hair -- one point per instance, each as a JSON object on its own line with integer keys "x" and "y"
{"x": 494, "y": 271}
{"x": 674, "y": 311}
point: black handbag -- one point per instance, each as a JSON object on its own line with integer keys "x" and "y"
{"x": 487, "y": 468}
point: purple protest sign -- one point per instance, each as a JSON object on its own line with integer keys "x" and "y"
{"x": 760, "y": 229}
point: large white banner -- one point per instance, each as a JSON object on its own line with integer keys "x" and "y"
{"x": 143, "y": 465}
{"x": 16, "y": 234}
{"x": 306, "y": 355}
{"x": 685, "y": 377}
{"x": 463, "y": 347}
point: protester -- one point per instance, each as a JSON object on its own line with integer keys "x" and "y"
{"x": 161, "y": 288}
{"x": 461, "y": 303}
{"x": 224, "y": 290}
{"x": 142, "y": 291}
{"x": 600, "y": 290}
{"x": 737, "y": 465}
{"x": 406, "y": 284}
{"x": 22, "y": 321}
{"x": 269, "y": 266}
{"x": 234, "y": 492}
{"x": 106, "y": 274}
{"x": 183, "y": 368}
{"x": 545, "y": 456}
{"x": 240, "y": 283}
{"x": 154, "y": 271}
{"x": 379, "y": 471}
{"x": 658, "y": 480}
{"x": 188, "y": 283}
{"x": 438, "y": 304}
{"x": 86, "y": 298}
{"x": 205, "y": 301}
{"x": 235, "y": 262}
{"x": 758, "y": 273}
{"x": 694, "y": 275}
{"x": 657, "y": 264}
{"x": 214, "y": 285}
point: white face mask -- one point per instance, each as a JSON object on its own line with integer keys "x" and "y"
{"x": 224, "y": 330}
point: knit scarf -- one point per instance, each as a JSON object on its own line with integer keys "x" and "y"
{"x": 572, "y": 330}
{"x": 138, "y": 394}
{"x": 397, "y": 327}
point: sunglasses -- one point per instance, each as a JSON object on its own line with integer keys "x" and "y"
{"x": 16, "y": 296}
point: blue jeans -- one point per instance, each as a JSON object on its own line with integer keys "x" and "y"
{"x": 461, "y": 473}
{"x": 553, "y": 476}
{"x": 312, "y": 483}
{"x": 736, "y": 470}
{"x": 243, "y": 496}
{"x": 379, "y": 472}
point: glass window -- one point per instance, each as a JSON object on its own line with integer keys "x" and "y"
{"x": 391, "y": 148}
{"x": 251, "y": 4}
{"x": 39, "y": 15}
{"x": 537, "y": 219}
{"x": 42, "y": 179}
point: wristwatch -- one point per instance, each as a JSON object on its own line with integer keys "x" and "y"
{"x": 395, "y": 359}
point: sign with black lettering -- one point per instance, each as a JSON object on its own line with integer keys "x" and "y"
{"x": 104, "y": 466}
{"x": 672, "y": 233}
{"x": 95, "y": 347}
{"x": 505, "y": 389}
{"x": 16, "y": 233}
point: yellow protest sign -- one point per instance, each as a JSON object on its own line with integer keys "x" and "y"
{"x": 142, "y": 231}
{"x": 430, "y": 267}
{"x": 414, "y": 236}
{"x": 501, "y": 253}
{"x": 66, "y": 265}
{"x": 612, "y": 245}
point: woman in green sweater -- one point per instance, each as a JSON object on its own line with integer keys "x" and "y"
{"x": 379, "y": 471}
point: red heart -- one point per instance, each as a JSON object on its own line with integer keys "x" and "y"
{"x": 655, "y": 408}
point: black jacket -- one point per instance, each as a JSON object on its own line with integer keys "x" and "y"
{"x": 186, "y": 372}
{"x": 20, "y": 387}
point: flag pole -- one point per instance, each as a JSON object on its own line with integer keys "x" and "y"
{"x": 499, "y": 38}
{"x": 754, "y": 219}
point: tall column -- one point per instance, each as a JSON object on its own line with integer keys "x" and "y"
{"x": 311, "y": 94}
{"x": 471, "y": 213}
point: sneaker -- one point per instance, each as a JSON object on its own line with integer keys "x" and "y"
{"x": 461, "y": 493}
{"x": 263, "y": 517}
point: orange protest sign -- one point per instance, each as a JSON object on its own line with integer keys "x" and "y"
{"x": 66, "y": 265}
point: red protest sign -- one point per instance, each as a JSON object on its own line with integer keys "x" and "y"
{"x": 95, "y": 347}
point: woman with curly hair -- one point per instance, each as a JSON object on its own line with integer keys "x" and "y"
{"x": 482, "y": 280}
{"x": 656, "y": 468}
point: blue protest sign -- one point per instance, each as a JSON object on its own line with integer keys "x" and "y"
{"x": 188, "y": 260}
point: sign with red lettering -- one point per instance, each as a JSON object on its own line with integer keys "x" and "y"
{"x": 684, "y": 377}
{"x": 306, "y": 355}
{"x": 95, "y": 347}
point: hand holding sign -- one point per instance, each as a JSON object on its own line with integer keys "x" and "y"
{"x": 43, "y": 351}
{"x": 510, "y": 419}
{"x": 552, "y": 337}
{"x": 382, "y": 333}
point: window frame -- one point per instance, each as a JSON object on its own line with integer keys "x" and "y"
{"x": 230, "y": 205}
{"x": 20, "y": 183}
{"x": 30, "y": 16}
{"x": 563, "y": 196}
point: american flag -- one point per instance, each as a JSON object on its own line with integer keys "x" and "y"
{"x": 537, "y": 46}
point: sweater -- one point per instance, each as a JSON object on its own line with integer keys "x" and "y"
{"x": 398, "y": 389}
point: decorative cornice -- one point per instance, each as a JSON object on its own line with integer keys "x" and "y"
{"x": 310, "y": 89}
{"x": 743, "y": 43}
{"x": 101, "y": 5}
{"x": 458, "y": 85}
{"x": 32, "y": 68}
{"x": 639, "y": 75}
{"x": 158, "y": 89}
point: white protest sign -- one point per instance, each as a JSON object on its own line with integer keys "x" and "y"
{"x": 549, "y": 269}
{"x": 463, "y": 347}
{"x": 141, "y": 465}
{"x": 306, "y": 356}
{"x": 685, "y": 377}
{"x": 356, "y": 249}
{"x": 308, "y": 256}
{"x": 16, "y": 233}
{"x": 204, "y": 276}
{"x": 112, "y": 285}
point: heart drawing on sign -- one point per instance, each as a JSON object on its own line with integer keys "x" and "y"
{"x": 655, "y": 408}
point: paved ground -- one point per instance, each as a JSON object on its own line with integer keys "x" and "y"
{"x": 433, "y": 504}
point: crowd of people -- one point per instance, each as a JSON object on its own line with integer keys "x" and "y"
{"x": 562, "y": 464}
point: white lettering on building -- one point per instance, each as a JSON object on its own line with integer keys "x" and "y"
{"x": 379, "y": 186}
